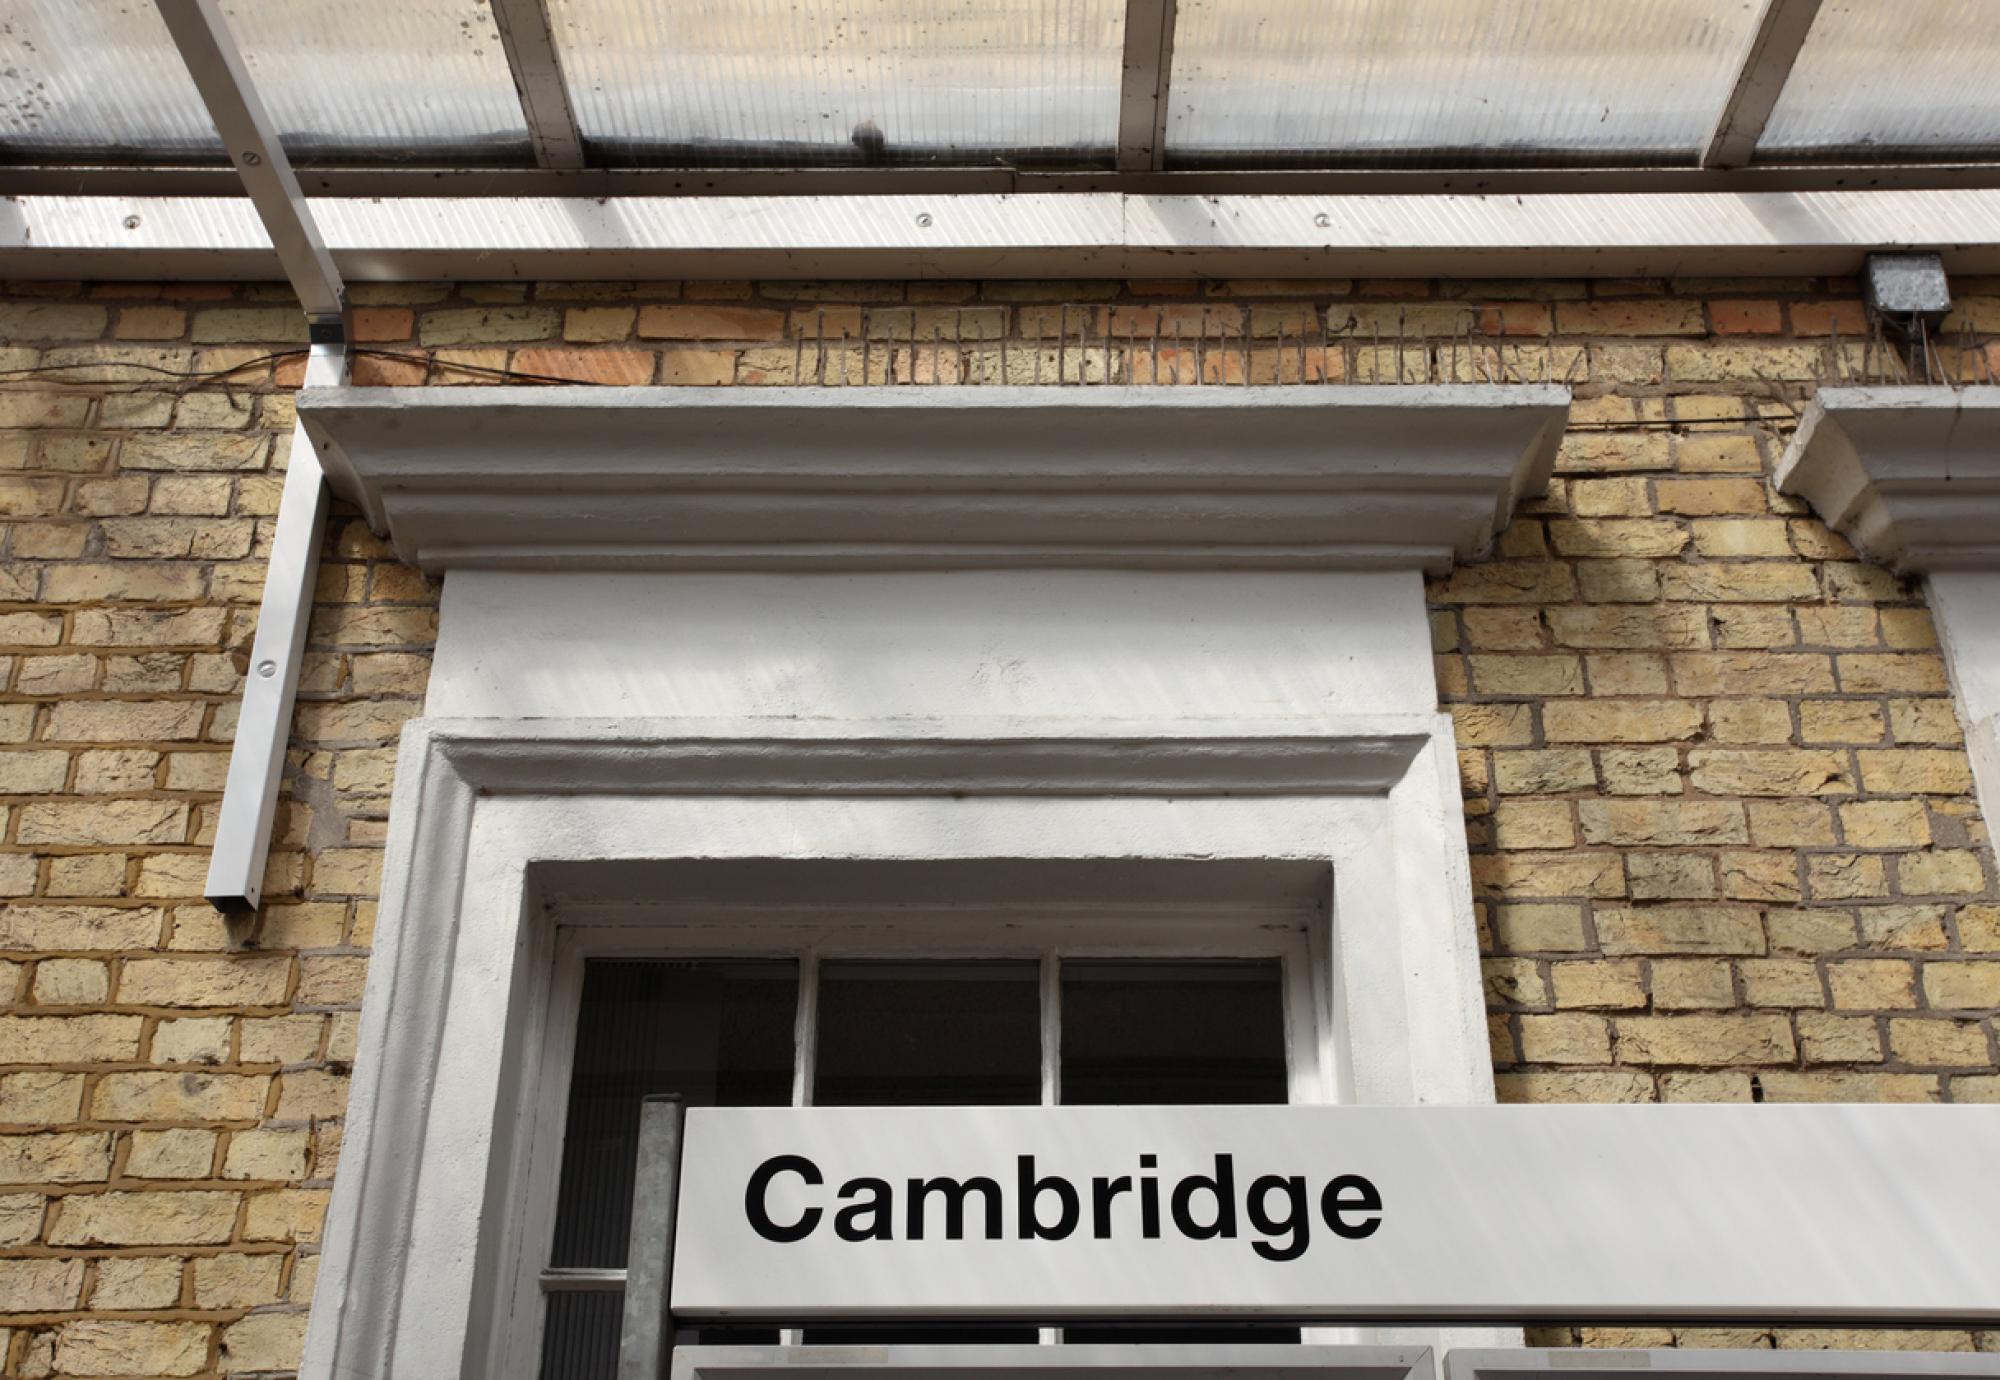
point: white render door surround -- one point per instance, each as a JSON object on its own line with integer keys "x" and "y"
{"x": 856, "y": 628}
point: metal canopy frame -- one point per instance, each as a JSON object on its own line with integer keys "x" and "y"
{"x": 1767, "y": 66}
{"x": 257, "y": 754}
{"x": 549, "y": 116}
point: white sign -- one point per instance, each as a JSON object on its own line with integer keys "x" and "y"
{"x": 1560, "y": 1213}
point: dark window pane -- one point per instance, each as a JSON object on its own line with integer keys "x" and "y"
{"x": 897, "y": 1034}
{"x": 940, "y": 1334}
{"x": 719, "y": 1033}
{"x": 1193, "y": 1334}
{"x": 1173, "y": 1031}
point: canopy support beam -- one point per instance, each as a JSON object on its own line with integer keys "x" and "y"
{"x": 531, "y": 57}
{"x": 1142, "y": 89}
{"x": 263, "y": 732}
{"x": 1781, "y": 34}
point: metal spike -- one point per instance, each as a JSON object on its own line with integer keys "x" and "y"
{"x": 958, "y": 345}
{"x": 798, "y": 353}
{"x": 1325, "y": 374}
{"x": 864, "y": 346}
{"x": 819, "y": 348}
{"x": 1156, "y": 348}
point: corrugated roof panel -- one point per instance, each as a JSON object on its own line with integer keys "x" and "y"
{"x": 1912, "y": 78}
{"x": 1311, "y": 83}
{"x": 84, "y": 80}
{"x": 843, "y": 81}
{"x": 419, "y": 80}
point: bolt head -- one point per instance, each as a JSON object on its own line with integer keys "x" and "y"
{"x": 924, "y": 219}
{"x": 251, "y": 158}
{"x": 267, "y": 669}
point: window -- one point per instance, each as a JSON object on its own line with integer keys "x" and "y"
{"x": 851, "y": 1023}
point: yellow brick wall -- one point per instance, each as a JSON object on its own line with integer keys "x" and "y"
{"x": 1720, "y": 817}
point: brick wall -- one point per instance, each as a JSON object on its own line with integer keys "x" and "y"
{"x": 1720, "y": 817}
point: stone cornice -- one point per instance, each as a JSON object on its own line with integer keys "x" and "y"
{"x": 861, "y": 478}
{"x": 1911, "y": 475}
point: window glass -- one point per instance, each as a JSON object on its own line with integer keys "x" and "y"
{"x": 1173, "y": 1031}
{"x": 928, "y": 1034}
{"x": 719, "y": 1033}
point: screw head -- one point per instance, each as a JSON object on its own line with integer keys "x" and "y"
{"x": 131, "y": 222}
{"x": 267, "y": 669}
{"x": 251, "y": 158}
{"x": 924, "y": 219}
{"x": 1323, "y": 220}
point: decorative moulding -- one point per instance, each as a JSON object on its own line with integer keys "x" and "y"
{"x": 1375, "y": 477}
{"x": 1911, "y": 475}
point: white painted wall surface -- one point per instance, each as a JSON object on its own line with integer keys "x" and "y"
{"x": 1966, "y": 604}
{"x": 926, "y": 649}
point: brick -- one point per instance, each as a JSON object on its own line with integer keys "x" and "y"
{"x": 1571, "y": 1038}
{"x": 1962, "y": 985}
{"x": 1712, "y": 497}
{"x": 189, "y": 1218}
{"x": 1876, "y": 673}
{"x": 1943, "y": 872}
{"x": 1641, "y": 771}
{"x": 1621, "y": 721}
{"x": 104, "y": 822}
{"x": 1690, "y": 984}
{"x": 1799, "y": 772}
{"x": 34, "y": 1097}
{"x": 1603, "y": 983}
{"x": 63, "y": 1157}
{"x": 1679, "y": 930}
{"x": 487, "y": 325}
{"x": 1643, "y": 628}
{"x": 1631, "y": 538}
{"x": 1705, "y": 1041}
{"x": 1658, "y": 822}
{"x": 1759, "y": 876}
{"x": 21, "y": 321}
{"x": 688, "y": 322}
{"x": 1670, "y": 876}
{"x": 1548, "y": 874}
{"x": 178, "y": 1096}
{"x": 1607, "y": 1086}
{"x": 1736, "y": 537}
{"x": 291, "y": 1214}
{"x": 1702, "y": 674}
{"x": 1789, "y": 823}
{"x": 1830, "y": 1039}
{"x": 40, "y": 1286}
{"x": 1924, "y": 721}
{"x": 618, "y": 367}
{"x": 1840, "y": 721}
{"x": 1849, "y": 1086}
{"x": 234, "y": 981}
{"x": 1523, "y": 773}
{"x": 1872, "y": 984}
{"x": 1490, "y": 725}
{"x": 1750, "y": 721}
{"x": 1914, "y": 771}
{"x": 176, "y": 1153}
{"x": 1739, "y": 582}
{"x": 87, "y": 1039}
{"x": 1845, "y": 876}
{"x": 58, "y": 928}
{"x": 1940, "y": 1044}
{"x": 263, "y": 1342}
{"x": 1659, "y": 317}
{"x": 1533, "y": 824}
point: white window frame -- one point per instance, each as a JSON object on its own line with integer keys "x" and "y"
{"x": 490, "y": 816}
{"x": 952, "y": 933}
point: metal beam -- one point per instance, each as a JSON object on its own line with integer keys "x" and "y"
{"x": 263, "y": 727}
{"x": 1142, "y": 89}
{"x": 1781, "y": 33}
{"x": 1086, "y": 234}
{"x": 212, "y": 59}
{"x": 538, "y": 79}
{"x": 498, "y": 183}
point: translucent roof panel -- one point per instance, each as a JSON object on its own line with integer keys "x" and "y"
{"x": 1916, "y": 77}
{"x": 1318, "y": 83}
{"x": 414, "y": 81}
{"x": 843, "y": 81}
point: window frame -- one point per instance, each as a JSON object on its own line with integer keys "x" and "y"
{"x": 946, "y": 932}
